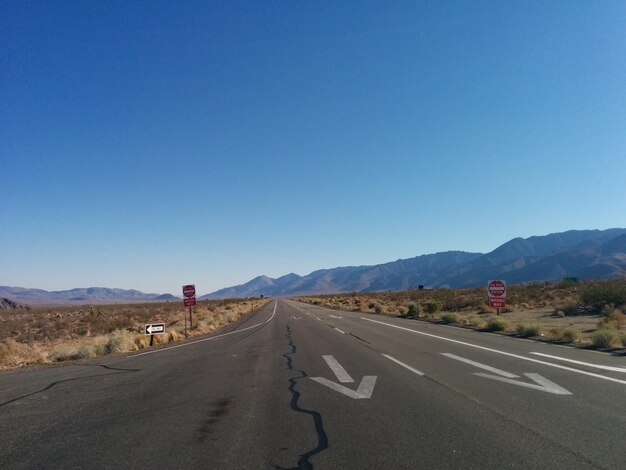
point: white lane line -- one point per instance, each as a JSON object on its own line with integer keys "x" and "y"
{"x": 209, "y": 339}
{"x": 340, "y": 331}
{"x": 406, "y": 366}
{"x": 597, "y": 366}
{"x": 339, "y": 371}
{"x": 318, "y": 318}
{"x": 334, "y": 316}
{"x": 558, "y": 366}
{"x": 482, "y": 366}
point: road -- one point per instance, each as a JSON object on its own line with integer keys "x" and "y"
{"x": 297, "y": 386}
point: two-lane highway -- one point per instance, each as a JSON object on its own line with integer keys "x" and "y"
{"x": 300, "y": 386}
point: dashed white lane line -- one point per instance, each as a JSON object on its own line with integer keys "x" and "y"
{"x": 557, "y": 366}
{"x": 406, "y": 366}
{"x": 481, "y": 366}
{"x": 211, "y": 338}
{"x": 589, "y": 364}
{"x": 340, "y": 331}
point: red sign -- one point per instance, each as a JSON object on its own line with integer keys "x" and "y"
{"x": 189, "y": 302}
{"x": 497, "y": 303}
{"x": 496, "y": 289}
{"x": 189, "y": 290}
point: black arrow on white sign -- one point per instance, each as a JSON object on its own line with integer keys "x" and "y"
{"x": 155, "y": 328}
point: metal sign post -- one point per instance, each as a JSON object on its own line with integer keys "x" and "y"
{"x": 189, "y": 300}
{"x": 154, "y": 329}
{"x": 496, "y": 291}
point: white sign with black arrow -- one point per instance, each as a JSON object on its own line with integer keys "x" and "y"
{"x": 365, "y": 389}
{"x": 540, "y": 383}
{"x": 155, "y": 328}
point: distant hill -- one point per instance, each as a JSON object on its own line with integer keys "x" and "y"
{"x": 8, "y": 304}
{"x": 95, "y": 295}
{"x": 585, "y": 254}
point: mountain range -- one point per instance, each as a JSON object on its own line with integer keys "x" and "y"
{"x": 584, "y": 254}
{"x": 94, "y": 295}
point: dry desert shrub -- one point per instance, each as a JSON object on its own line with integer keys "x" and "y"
{"x": 605, "y": 337}
{"x": 14, "y": 354}
{"x": 42, "y": 335}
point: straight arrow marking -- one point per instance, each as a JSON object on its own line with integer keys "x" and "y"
{"x": 544, "y": 385}
{"x": 366, "y": 387}
{"x": 339, "y": 371}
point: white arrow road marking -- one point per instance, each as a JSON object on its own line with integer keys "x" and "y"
{"x": 339, "y": 371}
{"x": 597, "y": 366}
{"x": 497, "y": 351}
{"x": 544, "y": 385}
{"x": 481, "y": 366}
{"x": 365, "y": 389}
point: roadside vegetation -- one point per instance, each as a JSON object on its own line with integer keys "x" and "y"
{"x": 56, "y": 334}
{"x": 589, "y": 313}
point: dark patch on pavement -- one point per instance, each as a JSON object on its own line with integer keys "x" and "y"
{"x": 219, "y": 409}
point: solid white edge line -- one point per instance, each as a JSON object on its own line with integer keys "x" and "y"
{"x": 339, "y": 371}
{"x": 558, "y": 366}
{"x": 340, "y": 331}
{"x": 597, "y": 366}
{"x": 406, "y": 366}
{"x": 482, "y": 366}
{"x": 208, "y": 339}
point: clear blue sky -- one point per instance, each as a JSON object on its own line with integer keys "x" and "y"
{"x": 151, "y": 144}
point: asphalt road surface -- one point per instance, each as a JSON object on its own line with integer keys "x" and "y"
{"x": 296, "y": 386}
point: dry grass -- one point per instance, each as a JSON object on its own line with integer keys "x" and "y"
{"x": 565, "y": 312}
{"x": 45, "y": 335}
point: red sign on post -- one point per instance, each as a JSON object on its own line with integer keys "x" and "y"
{"x": 189, "y": 302}
{"x": 189, "y": 290}
{"x": 496, "y": 291}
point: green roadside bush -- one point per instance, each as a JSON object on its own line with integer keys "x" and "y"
{"x": 497, "y": 324}
{"x": 526, "y": 330}
{"x": 432, "y": 307}
{"x": 604, "y": 337}
{"x": 598, "y": 294}
{"x": 450, "y": 317}
{"x": 571, "y": 335}
{"x": 415, "y": 310}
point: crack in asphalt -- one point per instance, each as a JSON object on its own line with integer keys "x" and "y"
{"x": 322, "y": 438}
{"x": 52, "y": 384}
